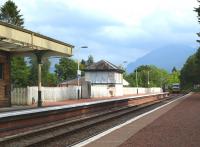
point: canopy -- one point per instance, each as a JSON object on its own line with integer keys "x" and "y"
{"x": 18, "y": 40}
{"x": 15, "y": 40}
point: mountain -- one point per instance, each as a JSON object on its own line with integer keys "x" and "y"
{"x": 166, "y": 57}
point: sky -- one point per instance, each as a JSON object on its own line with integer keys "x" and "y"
{"x": 115, "y": 30}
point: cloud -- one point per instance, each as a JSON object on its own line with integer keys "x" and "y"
{"x": 121, "y": 30}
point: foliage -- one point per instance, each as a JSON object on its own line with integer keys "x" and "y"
{"x": 190, "y": 73}
{"x": 85, "y": 63}
{"x": 157, "y": 77}
{"x": 66, "y": 69}
{"x": 174, "y": 77}
{"x": 48, "y": 79}
{"x": 52, "y": 79}
{"x": 90, "y": 60}
{"x": 20, "y": 72}
{"x": 34, "y": 72}
{"x": 9, "y": 13}
{"x": 198, "y": 16}
{"x": 82, "y": 64}
{"x": 174, "y": 69}
{"x": 45, "y": 72}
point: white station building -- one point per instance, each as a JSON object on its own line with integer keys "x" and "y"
{"x": 106, "y": 76}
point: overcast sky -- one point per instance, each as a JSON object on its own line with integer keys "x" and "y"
{"x": 116, "y": 30}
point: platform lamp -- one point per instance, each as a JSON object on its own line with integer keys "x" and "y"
{"x": 148, "y": 79}
{"x": 79, "y": 74}
{"x": 136, "y": 77}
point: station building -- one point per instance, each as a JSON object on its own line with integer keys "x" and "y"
{"x": 102, "y": 79}
{"x": 106, "y": 76}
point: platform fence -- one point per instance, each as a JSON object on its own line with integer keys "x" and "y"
{"x": 29, "y": 95}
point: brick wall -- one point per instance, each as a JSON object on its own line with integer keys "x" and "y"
{"x": 5, "y": 82}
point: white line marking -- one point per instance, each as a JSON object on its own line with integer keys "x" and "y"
{"x": 126, "y": 123}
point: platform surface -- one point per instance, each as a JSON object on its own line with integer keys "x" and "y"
{"x": 175, "y": 124}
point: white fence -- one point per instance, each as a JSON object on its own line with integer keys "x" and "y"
{"x": 29, "y": 95}
{"x": 19, "y": 96}
{"x": 140, "y": 90}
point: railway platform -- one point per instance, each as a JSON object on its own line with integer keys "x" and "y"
{"x": 62, "y": 103}
{"x": 23, "y": 123}
{"x": 171, "y": 125}
{"x": 47, "y": 104}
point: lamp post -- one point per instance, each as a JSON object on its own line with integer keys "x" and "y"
{"x": 148, "y": 79}
{"x": 79, "y": 74}
{"x": 136, "y": 77}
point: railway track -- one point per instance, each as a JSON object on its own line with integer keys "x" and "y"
{"x": 57, "y": 132}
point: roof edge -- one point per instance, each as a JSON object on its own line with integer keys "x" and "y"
{"x": 35, "y": 34}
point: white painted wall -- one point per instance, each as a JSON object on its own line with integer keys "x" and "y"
{"x": 119, "y": 90}
{"x": 103, "y": 77}
{"x": 99, "y": 91}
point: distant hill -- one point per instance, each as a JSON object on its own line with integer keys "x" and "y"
{"x": 166, "y": 57}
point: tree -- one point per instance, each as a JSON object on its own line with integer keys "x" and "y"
{"x": 90, "y": 60}
{"x": 52, "y": 79}
{"x": 20, "y": 72}
{"x": 198, "y": 16}
{"x": 157, "y": 77}
{"x": 9, "y": 13}
{"x": 66, "y": 69}
{"x": 174, "y": 77}
{"x": 174, "y": 69}
{"x": 47, "y": 78}
{"x": 83, "y": 62}
{"x": 190, "y": 73}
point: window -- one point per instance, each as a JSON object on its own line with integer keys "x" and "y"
{"x": 1, "y": 71}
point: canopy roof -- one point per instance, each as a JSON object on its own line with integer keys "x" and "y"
{"x": 18, "y": 40}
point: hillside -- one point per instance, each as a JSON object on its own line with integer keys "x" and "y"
{"x": 166, "y": 57}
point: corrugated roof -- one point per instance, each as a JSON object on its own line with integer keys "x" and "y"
{"x": 73, "y": 81}
{"x": 103, "y": 65}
